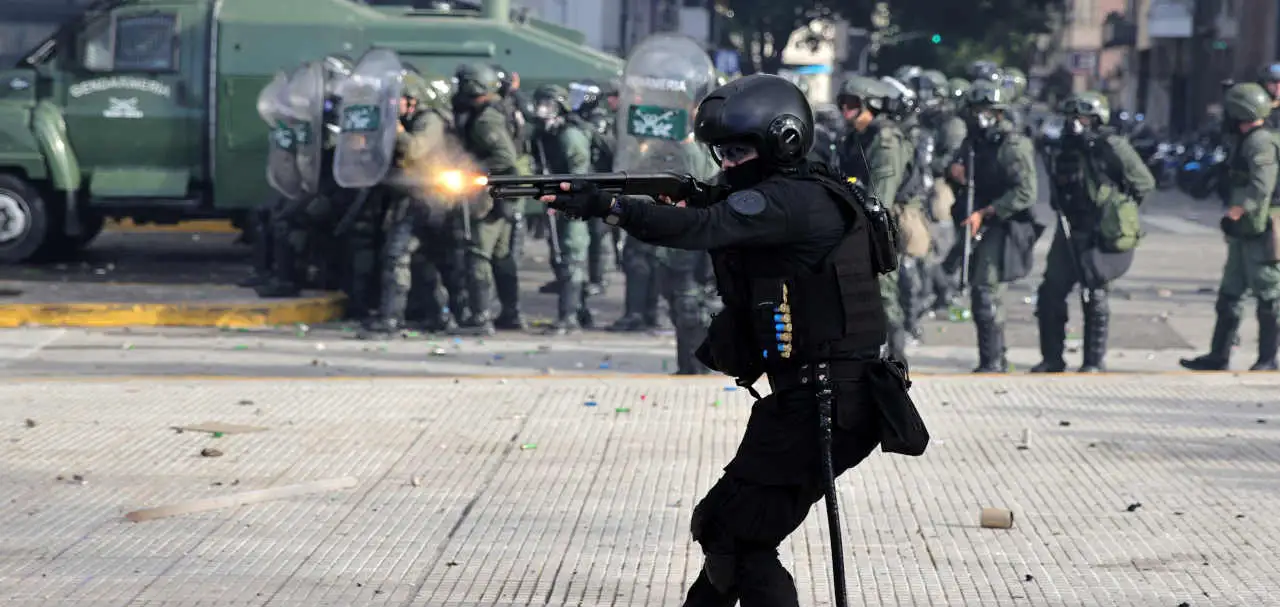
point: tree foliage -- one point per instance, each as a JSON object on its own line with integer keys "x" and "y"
{"x": 1000, "y": 30}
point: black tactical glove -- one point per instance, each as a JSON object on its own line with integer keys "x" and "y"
{"x": 583, "y": 201}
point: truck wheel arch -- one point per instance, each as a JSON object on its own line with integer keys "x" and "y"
{"x": 50, "y": 131}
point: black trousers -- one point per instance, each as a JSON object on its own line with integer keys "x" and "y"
{"x": 745, "y": 517}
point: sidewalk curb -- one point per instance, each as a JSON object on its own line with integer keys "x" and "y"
{"x": 309, "y": 310}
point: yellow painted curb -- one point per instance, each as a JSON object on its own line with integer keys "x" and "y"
{"x": 207, "y": 226}
{"x": 309, "y": 310}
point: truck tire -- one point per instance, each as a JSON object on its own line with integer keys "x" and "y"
{"x": 24, "y": 220}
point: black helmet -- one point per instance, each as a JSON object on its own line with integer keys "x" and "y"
{"x": 762, "y": 109}
{"x": 476, "y": 79}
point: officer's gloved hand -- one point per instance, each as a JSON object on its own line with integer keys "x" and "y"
{"x": 580, "y": 200}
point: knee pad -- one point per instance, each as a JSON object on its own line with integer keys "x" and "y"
{"x": 984, "y": 305}
{"x": 1227, "y": 306}
{"x": 1098, "y": 303}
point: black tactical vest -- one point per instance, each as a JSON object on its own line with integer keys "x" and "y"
{"x": 991, "y": 180}
{"x": 793, "y": 314}
{"x": 1069, "y": 179}
{"x": 852, "y": 153}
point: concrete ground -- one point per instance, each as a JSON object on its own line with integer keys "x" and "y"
{"x": 1131, "y": 491}
{"x": 525, "y": 470}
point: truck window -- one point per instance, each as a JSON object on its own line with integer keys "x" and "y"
{"x": 145, "y": 43}
{"x": 136, "y": 43}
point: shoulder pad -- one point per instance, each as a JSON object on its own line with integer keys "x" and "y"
{"x": 747, "y": 202}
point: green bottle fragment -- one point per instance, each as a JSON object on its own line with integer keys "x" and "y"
{"x": 528, "y": 446}
{"x": 622, "y": 410}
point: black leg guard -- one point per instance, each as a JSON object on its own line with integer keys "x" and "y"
{"x": 990, "y": 333}
{"x": 911, "y": 294}
{"x": 568, "y": 306}
{"x": 1053, "y": 335}
{"x": 263, "y": 248}
{"x": 1224, "y": 334}
{"x": 1097, "y": 317}
{"x": 506, "y": 279}
{"x": 1268, "y": 334}
{"x": 479, "y": 298}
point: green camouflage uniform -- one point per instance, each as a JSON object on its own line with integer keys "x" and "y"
{"x": 1005, "y": 177}
{"x": 489, "y": 141}
{"x": 483, "y": 125}
{"x": 566, "y": 149}
{"x": 1087, "y": 172}
{"x": 407, "y": 265}
{"x": 1252, "y": 240}
{"x": 680, "y": 280}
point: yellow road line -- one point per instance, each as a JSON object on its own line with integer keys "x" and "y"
{"x": 207, "y": 226}
{"x": 187, "y": 314}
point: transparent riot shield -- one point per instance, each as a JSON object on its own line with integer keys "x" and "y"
{"x": 664, "y": 79}
{"x": 369, "y": 111}
{"x": 282, "y": 167}
{"x": 306, "y": 102}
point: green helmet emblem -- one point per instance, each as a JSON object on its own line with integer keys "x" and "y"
{"x": 552, "y": 95}
{"x": 959, "y": 88}
{"x": 1247, "y": 102}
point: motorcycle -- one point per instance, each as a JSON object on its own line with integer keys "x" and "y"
{"x": 1164, "y": 162}
{"x": 1201, "y": 171}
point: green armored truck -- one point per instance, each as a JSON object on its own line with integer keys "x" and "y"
{"x": 146, "y": 109}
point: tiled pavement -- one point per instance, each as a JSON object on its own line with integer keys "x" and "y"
{"x": 487, "y": 492}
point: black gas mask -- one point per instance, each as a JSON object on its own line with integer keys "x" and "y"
{"x": 748, "y": 168}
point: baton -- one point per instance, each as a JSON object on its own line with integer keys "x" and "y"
{"x": 553, "y": 232}
{"x": 825, "y": 397}
{"x": 968, "y": 233}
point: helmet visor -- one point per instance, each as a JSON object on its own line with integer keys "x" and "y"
{"x": 733, "y": 152}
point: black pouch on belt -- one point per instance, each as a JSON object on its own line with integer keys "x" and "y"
{"x": 902, "y": 430}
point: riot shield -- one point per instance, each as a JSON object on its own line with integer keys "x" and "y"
{"x": 664, "y": 79}
{"x": 369, "y": 111}
{"x": 282, "y": 167}
{"x": 306, "y": 102}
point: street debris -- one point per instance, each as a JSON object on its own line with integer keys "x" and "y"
{"x": 31, "y": 423}
{"x": 1024, "y": 441}
{"x": 1133, "y": 507}
{"x": 528, "y": 446}
{"x": 416, "y": 481}
{"x": 1064, "y": 423}
{"x": 220, "y": 428}
{"x": 1028, "y": 578}
{"x": 240, "y": 499}
{"x": 996, "y": 518}
{"x": 210, "y": 452}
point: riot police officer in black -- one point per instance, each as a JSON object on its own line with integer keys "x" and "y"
{"x": 797, "y": 252}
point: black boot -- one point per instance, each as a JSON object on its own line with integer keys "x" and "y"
{"x": 991, "y": 349}
{"x": 569, "y": 306}
{"x": 586, "y": 316}
{"x": 506, "y": 281}
{"x": 479, "y": 297}
{"x": 630, "y": 323}
{"x": 1053, "y": 334}
{"x": 1097, "y": 317}
{"x": 1268, "y": 334}
{"x": 1224, "y": 332}
{"x": 382, "y": 328}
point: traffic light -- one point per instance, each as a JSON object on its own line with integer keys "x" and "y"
{"x": 936, "y": 39}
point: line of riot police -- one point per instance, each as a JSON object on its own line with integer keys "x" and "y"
{"x": 956, "y": 158}
{"x": 358, "y": 156}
